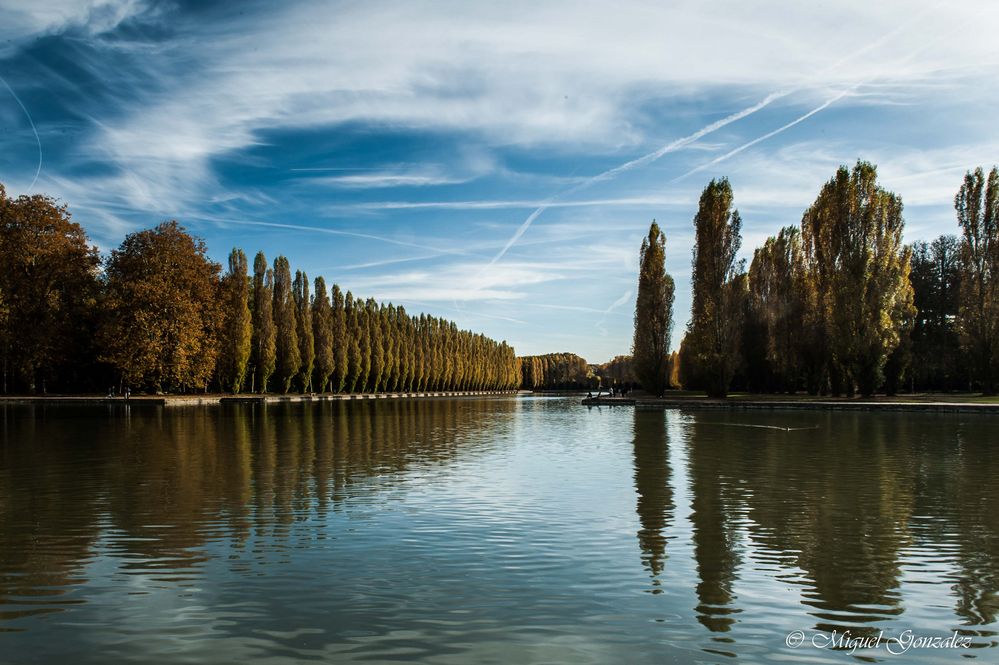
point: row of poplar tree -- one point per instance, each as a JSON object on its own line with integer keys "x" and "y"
{"x": 835, "y": 305}
{"x": 162, "y": 316}
{"x": 554, "y": 371}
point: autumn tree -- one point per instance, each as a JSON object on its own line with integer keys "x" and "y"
{"x": 977, "y": 206}
{"x": 853, "y": 240}
{"x": 653, "y": 314}
{"x": 161, "y": 310}
{"x": 264, "y": 339}
{"x": 341, "y": 342}
{"x": 715, "y": 327}
{"x": 289, "y": 358}
{"x": 48, "y": 291}
{"x": 322, "y": 332}
{"x": 235, "y": 334}
{"x": 618, "y": 370}
{"x": 388, "y": 346}
{"x": 687, "y": 371}
{"x": 551, "y": 371}
{"x": 167, "y": 320}
{"x": 674, "y": 371}
{"x": 376, "y": 350}
{"x": 303, "y": 321}
{"x": 777, "y": 288}
{"x": 936, "y": 283}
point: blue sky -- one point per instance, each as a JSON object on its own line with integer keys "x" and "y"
{"x": 493, "y": 163}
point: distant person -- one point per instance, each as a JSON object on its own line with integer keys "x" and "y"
{"x": 128, "y": 393}
{"x": 589, "y": 395}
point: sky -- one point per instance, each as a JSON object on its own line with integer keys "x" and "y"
{"x": 496, "y": 164}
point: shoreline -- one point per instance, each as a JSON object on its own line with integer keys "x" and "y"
{"x": 699, "y": 403}
{"x": 216, "y": 399}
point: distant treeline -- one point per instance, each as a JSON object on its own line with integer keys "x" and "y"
{"x": 835, "y": 305}
{"x": 157, "y": 314}
{"x": 554, "y": 371}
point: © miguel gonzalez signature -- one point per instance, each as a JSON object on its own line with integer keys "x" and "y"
{"x": 904, "y": 642}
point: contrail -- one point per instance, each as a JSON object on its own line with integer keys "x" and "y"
{"x": 745, "y": 146}
{"x": 704, "y": 131}
{"x": 641, "y": 161}
{"x": 617, "y": 303}
{"x": 31, "y": 122}
{"x": 336, "y": 232}
{"x": 821, "y": 107}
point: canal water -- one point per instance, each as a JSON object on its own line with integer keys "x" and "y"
{"x": 498, "y": 530}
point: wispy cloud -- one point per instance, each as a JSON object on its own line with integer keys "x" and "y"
{"x": 454, "y": 283}
{"x": 400, "y": 176}
{"x": 499, "y": 204}
{"x": 377, "y": 180}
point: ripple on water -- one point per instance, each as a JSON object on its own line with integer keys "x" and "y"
{"x": 455, "y": 531}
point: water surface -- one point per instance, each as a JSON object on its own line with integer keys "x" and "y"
{"x": 530, "y": 530}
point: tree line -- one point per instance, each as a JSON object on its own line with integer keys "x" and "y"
{"x": 835, "y": 305}
{"x": 158, "y": 314}
{"x": 554, "y": 371}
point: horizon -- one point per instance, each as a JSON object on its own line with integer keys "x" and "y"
{"x": 492, "y": 170}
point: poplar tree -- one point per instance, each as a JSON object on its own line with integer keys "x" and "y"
{"x": 420, "y": 378}
{"x": 938, "y": 363}
{"x": 389, "y": 347}
{"x": 289, "y": 359}
{"x": 777, "y": 289}
{"x": 235, "y": 337}
{"x": 354, "y": 344}
{"x": 853, "y": 238}
{"x": 376, "y": 350}
{"x": 341, "y": 342}
{"x": 303, "y": 321}
{"x": 322, "y": 327}
{"x": 653, "y": 314}
{"x": 715, "y": 327}
{"x": 264, "y": 339}
{"x": 977, "y": 206}
{"x": 405, "y": 323}
{"x": 364, "y": 344}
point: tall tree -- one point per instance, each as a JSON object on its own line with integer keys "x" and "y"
{"x": 322, "y": 326}
{"x": 853, "y": 239}
{"x": 363, "y": 336}
{"x": 977, "y": 206}
{"x": 235, "y": 336}
{"x": 653, "y": 314}
{"x": 264, "y": 352}
{"x": 341, "y": 342}
{"x": 289, "y": 358}
{"x": 48, "y": 291}
{"x": 715, "y": 326}
{"x": 376, "y": 350}
{"x": 161, "y": 310}
{"x": 303, "y": 321}
{"x": 353, "y": 341}
{"x": 777, "y": 290}
{"x": 936, "y": 282}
